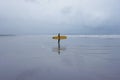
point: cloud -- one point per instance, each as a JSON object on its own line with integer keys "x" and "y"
{"x": 59, "y": 16}
{"x": 30, "y": 0}
{"x": 66, "y": 10}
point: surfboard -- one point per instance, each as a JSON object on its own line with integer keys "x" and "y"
{"x": 61, "y": 37}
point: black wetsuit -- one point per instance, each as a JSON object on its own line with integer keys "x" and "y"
{"x": 59, "y": 38}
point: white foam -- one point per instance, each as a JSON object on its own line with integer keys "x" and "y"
{"x": 95, "y": 36}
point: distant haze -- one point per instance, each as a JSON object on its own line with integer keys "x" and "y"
{"x": 64, "y": 16}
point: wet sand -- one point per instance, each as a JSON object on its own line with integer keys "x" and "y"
{"x": 77, "y": 58}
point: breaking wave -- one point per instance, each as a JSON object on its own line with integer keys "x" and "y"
{"x": 95, "y": 36}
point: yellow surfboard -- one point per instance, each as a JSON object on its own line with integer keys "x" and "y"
{"x": 61, "y": 37}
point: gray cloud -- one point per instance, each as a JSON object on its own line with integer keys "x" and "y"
{"x": 31, "y": 0}
{"x": 66, "y": 16}
{"x": 66, "y": 10}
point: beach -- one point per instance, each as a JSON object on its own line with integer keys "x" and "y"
{"x": 37, "y": 57}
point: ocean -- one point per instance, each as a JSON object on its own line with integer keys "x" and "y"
{"x": 79, "y": 57}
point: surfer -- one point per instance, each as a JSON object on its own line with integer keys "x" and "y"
{"x": 59, "y": 43}
{"x": 58, "y": 37}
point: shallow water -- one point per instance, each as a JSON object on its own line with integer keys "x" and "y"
{"x": 78, "y": 58}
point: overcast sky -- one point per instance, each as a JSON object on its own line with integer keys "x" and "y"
{"x": 64, "y": 16}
